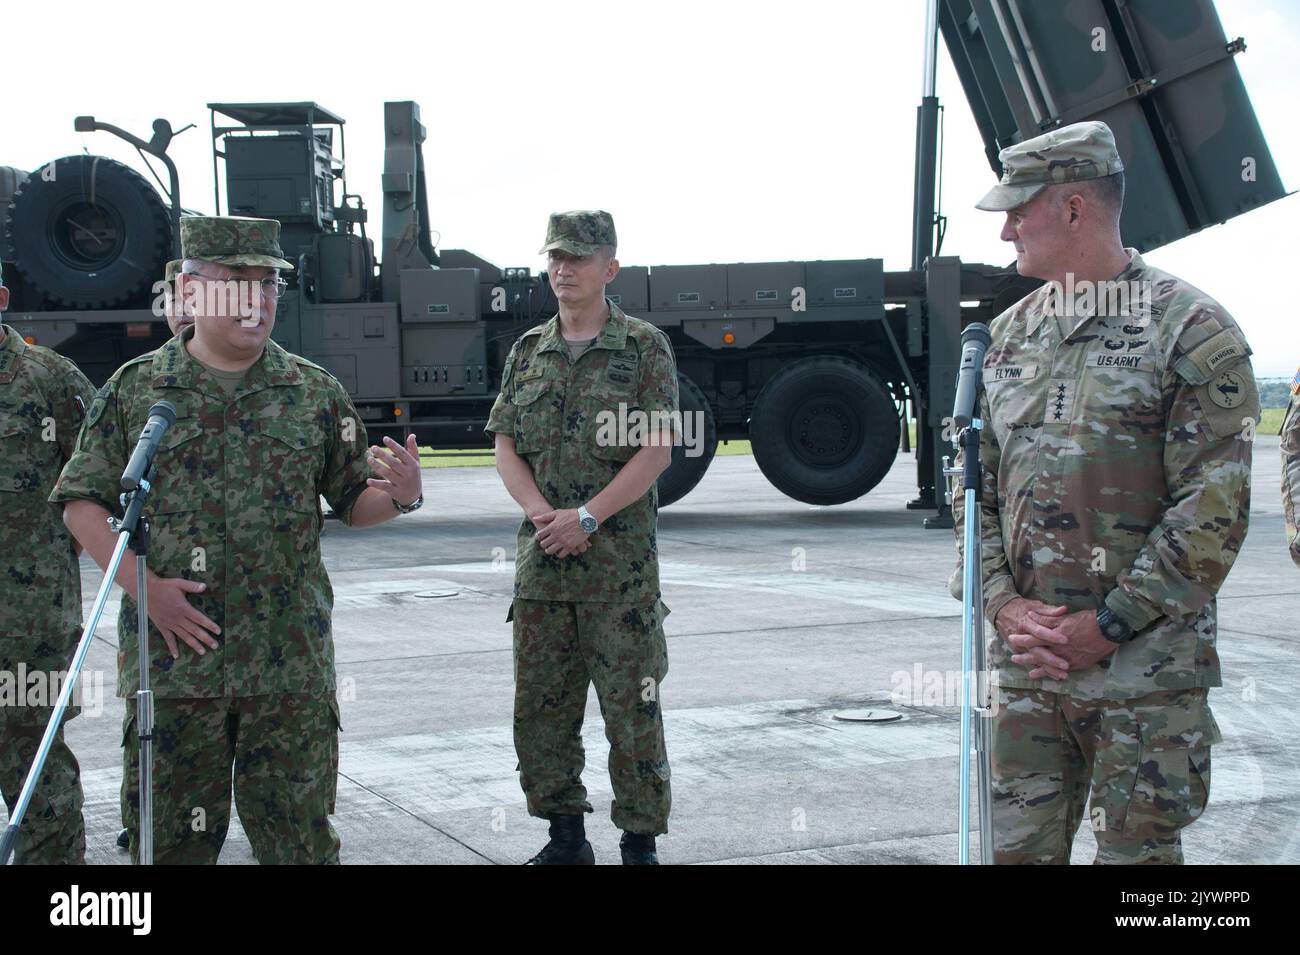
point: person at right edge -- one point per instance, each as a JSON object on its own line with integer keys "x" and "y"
{"x": 1291, "y": 469}
{"x": 1119, "y": 408}
{"x": 587, "y": 605}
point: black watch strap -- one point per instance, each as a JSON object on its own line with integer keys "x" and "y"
{"x": 1113, "y": 627}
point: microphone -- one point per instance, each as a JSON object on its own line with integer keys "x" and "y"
{"x": 161, "y": 417}
{"x": 975, "y": 341}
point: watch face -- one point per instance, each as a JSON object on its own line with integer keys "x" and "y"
{"x": 588, "y": 524}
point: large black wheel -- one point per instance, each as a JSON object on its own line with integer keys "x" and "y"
{"x": 825, "y": 430}
{"x": 89, "y": 232}
{"x": 685, "y": 471}
{"x": 10, "y": 180}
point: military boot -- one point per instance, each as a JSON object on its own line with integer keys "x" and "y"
{"x": 124, "y": 839}
{"x": 638, "y": 849}
{"x": 568, "y": 845}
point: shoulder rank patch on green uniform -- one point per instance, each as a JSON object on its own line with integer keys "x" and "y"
{"x": 97, "y": 406}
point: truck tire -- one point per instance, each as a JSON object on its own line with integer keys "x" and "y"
{"x": 824, "y": 430}
{"x": 10, "y": 180}
{"x": 91, "y": 234}
{"x": 685, "y": 472}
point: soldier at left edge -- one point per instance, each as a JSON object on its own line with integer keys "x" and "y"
{"x": 43, "y": 399}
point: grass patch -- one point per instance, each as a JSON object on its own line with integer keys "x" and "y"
{"x": 1270, "y": 424}
{"x": 461, "y": 458}
{"x": 733, "y": 447}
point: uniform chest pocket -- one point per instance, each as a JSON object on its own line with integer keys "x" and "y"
{"x": 537, "y": 415}
{"x": 183, "y": 475}
{"x": 1122, "y": 392}
{"x": 18, "y": 469}
{"x": 287, "y": 458}
{"x": 613, "y": 421}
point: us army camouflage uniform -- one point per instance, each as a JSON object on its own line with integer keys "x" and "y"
{"x": 43, "y": 398}
{"x": 594, "y": 617}
{"x": 1291, "y": 470}
{"x": 236, "y": 507}
{"x": 1116, "y": 456}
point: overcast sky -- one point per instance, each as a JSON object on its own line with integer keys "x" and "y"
{"x": 713, "y": 131}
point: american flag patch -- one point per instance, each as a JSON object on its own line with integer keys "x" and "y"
{"x": 1295, "y": 383}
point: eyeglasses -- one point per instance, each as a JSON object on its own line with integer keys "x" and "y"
{"x": 270, "y": 286}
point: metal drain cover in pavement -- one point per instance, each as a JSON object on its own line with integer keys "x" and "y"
{"x": 868, "y": 716}
{"x": 436, "y": 593}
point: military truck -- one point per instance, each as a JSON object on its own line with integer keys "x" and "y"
{"x": 819, "y": 363}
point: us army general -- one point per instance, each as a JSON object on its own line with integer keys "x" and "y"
{"x": 1120, "y": 408}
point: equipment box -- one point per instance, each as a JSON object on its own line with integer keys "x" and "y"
{"x": 439, "y": 295}
{"x": 846, "y": 282}
{"x": 630, "y": 289}
{"x": 679, "y": 287}
{"x": 763, "y": 284}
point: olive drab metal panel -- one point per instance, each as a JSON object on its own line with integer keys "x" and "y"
{"x": 630, "y": 289}
{"x": 1161, "y": 74}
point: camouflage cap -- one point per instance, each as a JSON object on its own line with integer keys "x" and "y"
{"x": 581, "y": 232}
{"x": 173, "y": 267}
{"x": 1069, "y": 154}
{"x": 229, "y": 240}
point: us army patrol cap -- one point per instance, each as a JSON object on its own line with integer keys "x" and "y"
{"x": 230, "y": 240}
{"x": 581, "y": 232}
{"x": 1069, "y": 154}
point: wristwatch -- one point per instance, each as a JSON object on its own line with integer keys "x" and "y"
{"x": 586, "y": 521}
{"x": 408, "y": 508}
{"x": 1112, "y": 627}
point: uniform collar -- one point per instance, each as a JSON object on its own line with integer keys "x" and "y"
{"x": 11, "y": 354}
{"x": 613, "y": 335}
{"x": 1047, "y": 295}
{"x": 175, "y": 367}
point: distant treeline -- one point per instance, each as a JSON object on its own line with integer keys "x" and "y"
{"x": 1274, "y": 392}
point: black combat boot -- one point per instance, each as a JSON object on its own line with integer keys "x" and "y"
{"x": 638, "y": 849}
{"x": 124, "y": 839}
{"x": 568, "y": 845}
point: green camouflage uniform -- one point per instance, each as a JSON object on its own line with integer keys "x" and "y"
{"x": 594, "y": 617}
{"x": 235, "y": 506}
{"x": 1291, "y": 469}
{"x": 43, "y": 398}
{"x": 1116, "y": 454}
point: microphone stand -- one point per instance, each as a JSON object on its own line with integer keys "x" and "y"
{"x": 972, "y": 622}
{"x": 133, "y": 525}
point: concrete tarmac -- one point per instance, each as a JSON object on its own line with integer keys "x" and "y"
{"x": 783, "y": 615}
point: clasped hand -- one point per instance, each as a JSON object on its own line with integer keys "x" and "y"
{"x": 1050, "y": 641}
{"x": 559, "y": 534}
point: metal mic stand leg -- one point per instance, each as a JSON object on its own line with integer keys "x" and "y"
{"x": 973, "y": 660}
{"x": 10, "y": 837}
{"x": 144, "y": 696}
